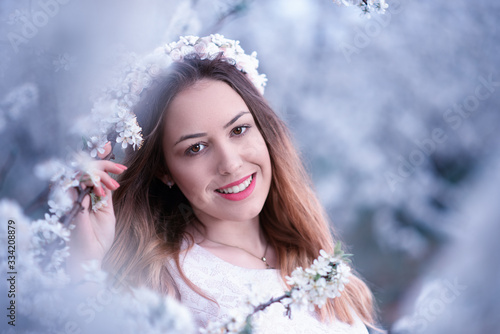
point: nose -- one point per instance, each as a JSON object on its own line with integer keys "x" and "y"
{"x": 229, "y": 160}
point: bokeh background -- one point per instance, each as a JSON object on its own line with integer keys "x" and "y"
{"x": 396, "y": 116}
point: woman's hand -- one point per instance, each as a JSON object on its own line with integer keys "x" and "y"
{"x": 94, "y": 231}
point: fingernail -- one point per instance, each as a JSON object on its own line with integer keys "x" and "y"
{"x": 115, "y": 183}
{"x": 122, "y": 166}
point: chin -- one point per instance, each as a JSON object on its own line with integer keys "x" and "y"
{"x": 245, "y": 215}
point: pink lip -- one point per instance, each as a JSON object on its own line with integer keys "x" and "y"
{"x": 242, "y": 194}
{"x": 235, "y": 183}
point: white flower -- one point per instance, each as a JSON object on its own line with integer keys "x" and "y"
{"x": 246, "y": 63}
{"x": 99, "y": 202}
{"x": 84, "y": 163}
{"x": 298, "y": 277}
{"x": 217, "y": 39}
{"x": 96, "y": 145}
{"x": 366, "y": 6}
{"x": 59, "y": 173}
{"x": 235, "y": 323}
{"x": 176, "y": 55}
{"x": 343, "y": 273}
{"x": 324, "y": 279}
{"x": 381, "y": 6}
{"x": 59, "y": 257}
{"x": 60, "y": 202}
{"x": 130, "y": 135}
{"x": 154, "y": 70}
{"x": 187, "y": 50}
{"x": 202, "y": 49}
{"x": 189, "y": 40}
{"x": 47, "y": 231}
{"x": 123, "y": 118}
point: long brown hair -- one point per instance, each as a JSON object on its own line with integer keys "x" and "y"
{"x": 152, "y": 219}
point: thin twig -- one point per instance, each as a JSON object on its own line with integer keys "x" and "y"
{"x": 263, "y": 306}
{"x": 77, "y": 205}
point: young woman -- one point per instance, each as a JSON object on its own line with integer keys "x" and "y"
{"x": 216, "y": 203}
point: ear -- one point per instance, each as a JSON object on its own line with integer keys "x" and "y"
{"x": 165, "y": 178}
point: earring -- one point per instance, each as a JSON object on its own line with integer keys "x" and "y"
{"x": 170, "y": 184}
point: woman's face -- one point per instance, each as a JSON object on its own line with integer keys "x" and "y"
{"x": 215, "y": 153}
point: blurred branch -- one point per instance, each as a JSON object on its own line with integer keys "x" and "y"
{"x": 38, "y": 201}
{"x": 232, "y": 11}
{"x": 9, "y": 162}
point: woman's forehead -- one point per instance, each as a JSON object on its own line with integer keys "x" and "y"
{"x": 205, "y": 104}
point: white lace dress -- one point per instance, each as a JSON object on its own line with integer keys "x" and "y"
{"x": 228, "y": 284}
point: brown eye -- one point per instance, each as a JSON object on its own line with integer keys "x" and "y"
{"x": 196, "y": 148}
{"x": 238, "y": 130}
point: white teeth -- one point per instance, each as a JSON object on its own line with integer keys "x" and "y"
{"x": 237, "y": 189}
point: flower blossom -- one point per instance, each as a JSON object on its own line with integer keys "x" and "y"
{"x": 366, "y": 7}
{"x": 60, "y": 202}
{"x": 96, "y": 145}
{"x": 324, "y": 279}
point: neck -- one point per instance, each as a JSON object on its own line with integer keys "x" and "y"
{"x": 246, "y": 234}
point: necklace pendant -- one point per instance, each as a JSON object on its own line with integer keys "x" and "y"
{"x": 264, "y": 259}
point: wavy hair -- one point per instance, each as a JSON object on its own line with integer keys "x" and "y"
{"x": 152, "y": 219}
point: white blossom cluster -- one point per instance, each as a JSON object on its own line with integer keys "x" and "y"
{"x": 34, "y": 296}
{"x": 234, "y": 324}
{"x": 323, "y": 280}
{"x": 367, "y": 6}
{"x": 210, "y": 47}
{"x": 47, "y": 301}
{"x": 113, "y": 108}
{"x": 48, "y": 233}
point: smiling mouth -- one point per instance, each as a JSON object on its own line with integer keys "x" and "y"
{"x": 236, "y": 188}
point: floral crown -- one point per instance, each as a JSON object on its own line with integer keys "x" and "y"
{"x": 113, "y": 110}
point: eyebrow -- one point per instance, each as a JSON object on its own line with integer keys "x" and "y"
{"x": 194, "y": 135}
{"x": 231, "y": 122}
{"x": 203, "y": 134}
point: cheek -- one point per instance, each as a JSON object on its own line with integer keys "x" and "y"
{"x": 190, "y": 179}
{"x": 257, "y": 150}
